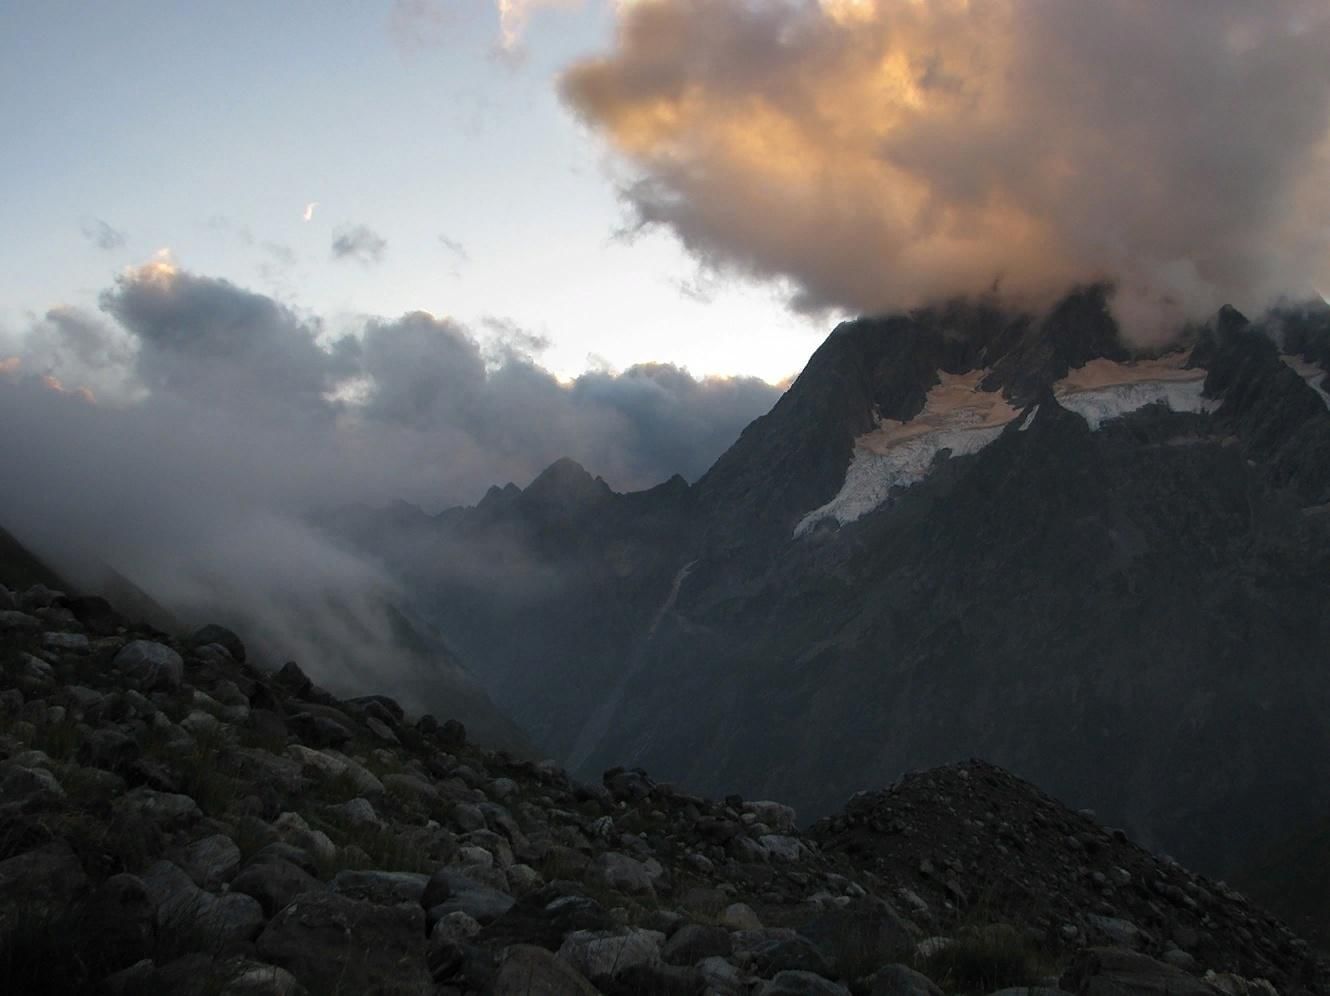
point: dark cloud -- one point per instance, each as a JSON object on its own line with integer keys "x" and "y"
{"x": 455, "y": 248}
{"x": 102, "y": 235}
{"x": 417, "y": 25}
{"x": 210, "y": 342}
{"x": 358, "y": 242}
{"x": 224, "y": 419}
{"x": 879, "y": 154}
{"x": 418, "y": 407}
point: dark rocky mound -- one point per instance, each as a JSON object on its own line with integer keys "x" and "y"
{"x": 179, "y": 817}
{"x": 972, "y": 837}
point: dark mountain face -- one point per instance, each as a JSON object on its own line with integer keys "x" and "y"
{"x": 961, "y": 532}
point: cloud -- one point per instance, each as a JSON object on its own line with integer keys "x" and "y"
{"x": 358, "y": 242}
{"x": 102, "y": 235}
{"x": 878, "y": 154}
{"x": 223, "y": 420}
{"x": 416, "y": 25}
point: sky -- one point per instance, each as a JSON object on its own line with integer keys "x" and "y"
{"x": 456, "y": 179}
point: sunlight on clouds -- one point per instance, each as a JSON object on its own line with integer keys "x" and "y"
{"x": 878, "y": 154}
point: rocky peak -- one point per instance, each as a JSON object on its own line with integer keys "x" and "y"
{"x": 565, "y": 484}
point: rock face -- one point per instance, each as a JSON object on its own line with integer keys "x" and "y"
{"x": 1103, "y": 584}
{"x": 228, "y": 857}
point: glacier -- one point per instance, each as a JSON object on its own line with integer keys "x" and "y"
{"x": 961, "y": 419}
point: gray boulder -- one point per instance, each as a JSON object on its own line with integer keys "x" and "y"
{"x": 383, "y": 888}
{"x": 39, "y": 883}
{"x": 800, "y": 984}
{"x": 1117, "y": 972}
{"x": 693, "y": 942}
{"x": 901, "y": 980}
{"x": 526, "y": 969}
{"x": 606, "y": 953}
{"x": 274, "y": 884}
{"x": 449, "y": 891}
{"x": 220, "y": 635}
{"x": 335, "y": 944}
{"x": 149, "y": 665}
{"x": 211, "y": 861}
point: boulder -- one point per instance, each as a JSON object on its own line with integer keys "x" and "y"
{"x": 1118, "y": 972}
{"x": 383, "y": 888}
{"x": 117, "y": 924}
{"x": 335, "y": 944}
{"x": 800, "y": 984}
{"x": 220, "y": 635}
{"x": 622, "y": 873}
{"x": 39, "y": 883}
{"x": 149, "y": 665}
{"x": 274, "y": 884}
{"x": 526, "y": 969}
{"x": 211, "y": 861}
{"x": 694, "y": 942}
{"x": 462, "y": 893}
{"x": 608, "y": 953}
{"x": 901, "y": 980}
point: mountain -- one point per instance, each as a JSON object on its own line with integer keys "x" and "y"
{"x": 962, "y": 532}
{"x": 183, "y": 817}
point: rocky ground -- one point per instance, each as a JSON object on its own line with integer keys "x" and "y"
{"x": 177, "y": 818}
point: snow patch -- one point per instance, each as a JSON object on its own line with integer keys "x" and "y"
{"x": 960, "y": 418}
{"x": 957, "y": 416}
{"x": 1103, "y": 390}
{"x": 1311, "y": 373}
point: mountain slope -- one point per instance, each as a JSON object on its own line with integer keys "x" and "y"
{"x": 960, "y": 532}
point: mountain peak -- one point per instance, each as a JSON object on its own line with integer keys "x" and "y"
{"x": 566, "y": 482}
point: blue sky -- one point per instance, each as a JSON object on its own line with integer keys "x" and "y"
{"x": 206, "y": 128}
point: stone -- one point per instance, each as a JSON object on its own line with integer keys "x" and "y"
{"x": 739, "y": 916}
{"x": 335, "y": 944}
{"x": 251, "y": 978}
{"x": 169, "y": 811}
{"x": 1117, "y": 931}
{"x": 800, "y": 984}
{"x": 694, "y": 942}
{"x": 773, "y": 814}
{"x": 220, "y": 635}
{"x": 721, "y": 978}
{"x": 525, "y": 969}
{"x": 39, "y": 882}
{"x": 783, "y": 848}
{"x": 901, "y": 980}
{"x": 358, "y": 812}
{"x": 618, "y": 871}
{"x": 608, "y": 953}
{"x": 866, "y": 931}
{"x": 383, "y": 888}
{"x": 1118, "y": 972}
{"x": 149, "y": 665}
{"x": 211, "y": 861}
{"x": 18, "y": 622}
{"x": 117, "y": 922}
{"x": 627, "y": 785}
{"x": 66, "y": 643}
{"x": 274, "y": 884}
{"x": 25, "y": 789}
{"x": 769, "y": 952}
{"x": 464, "y": 894}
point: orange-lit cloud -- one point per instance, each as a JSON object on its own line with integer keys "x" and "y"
{"x": 878, "y": 154}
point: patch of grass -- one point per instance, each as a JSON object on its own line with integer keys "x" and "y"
{"x": 995, "y": 957}
{"x": 201, "y": 775}
{"x": 388, "y": 848}
{"x": 59, "y": 740}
